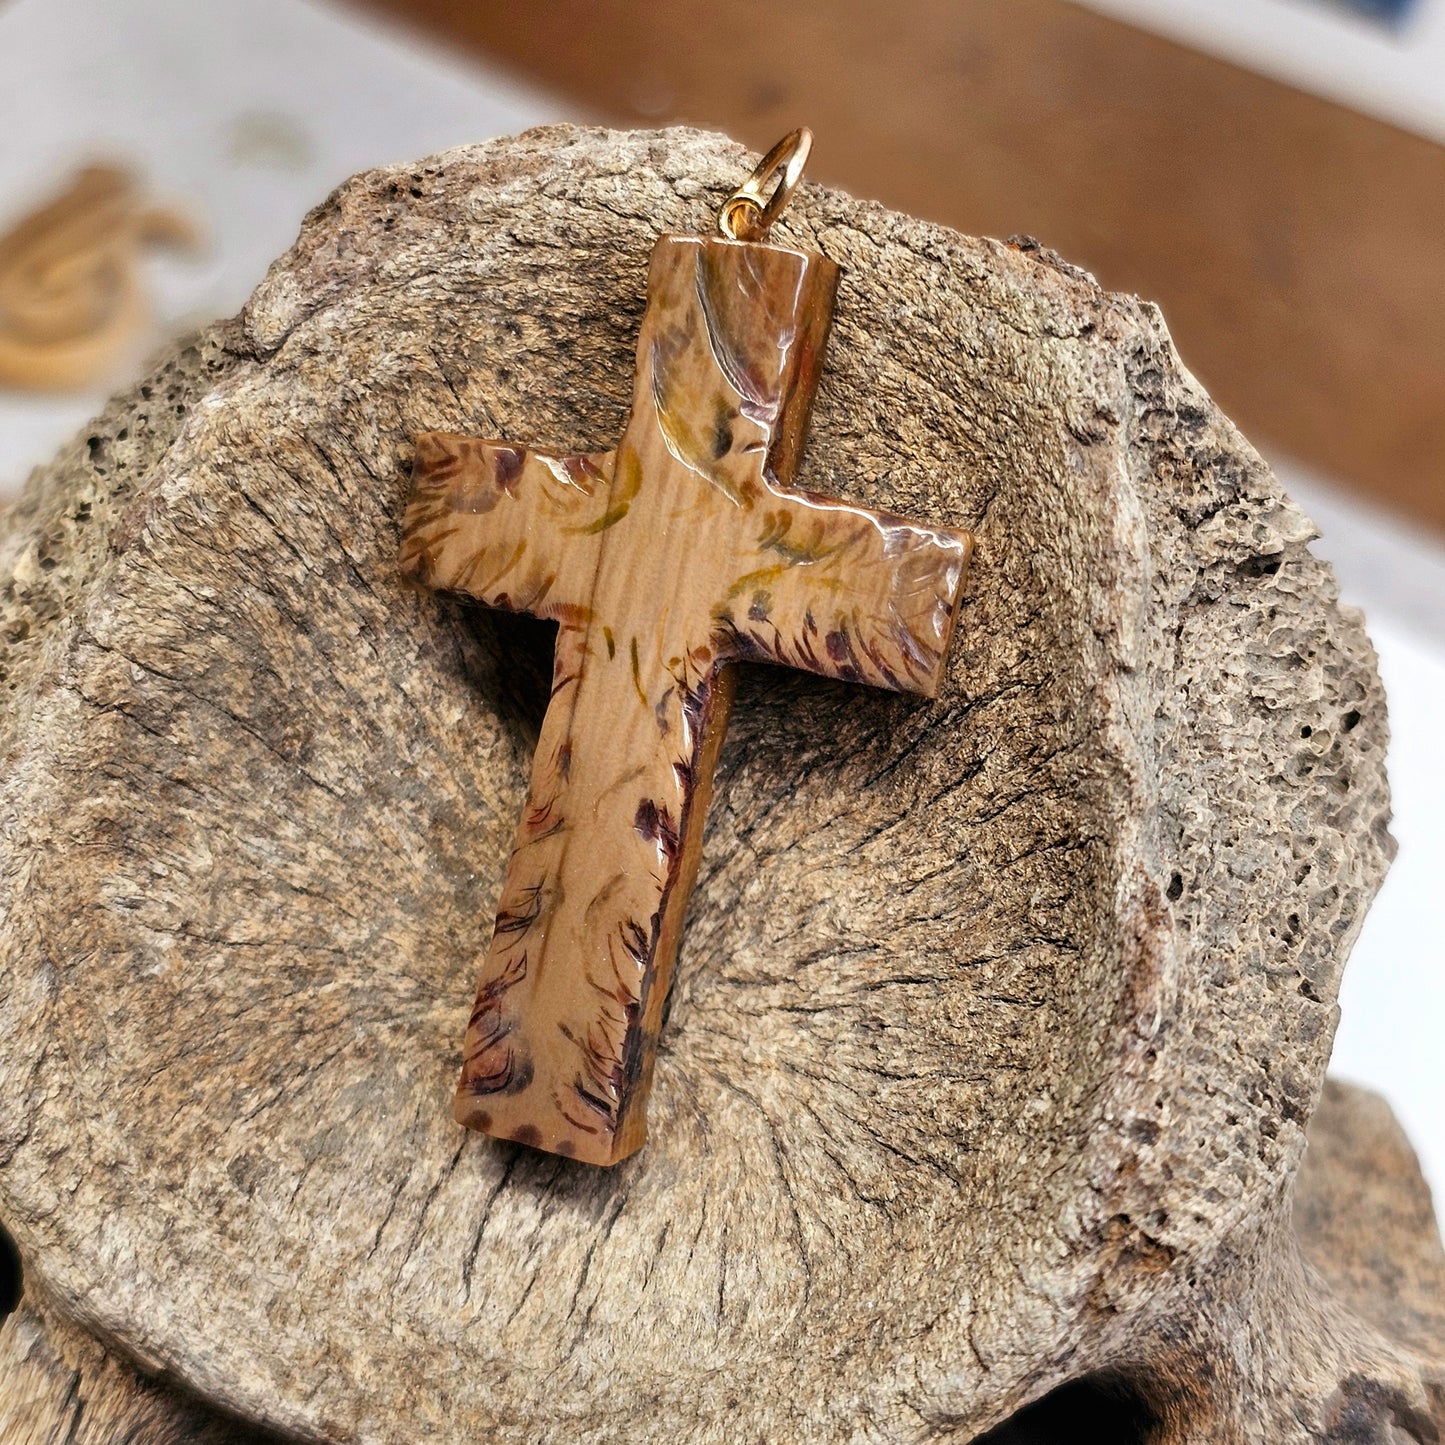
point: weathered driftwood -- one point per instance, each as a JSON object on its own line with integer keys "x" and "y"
{"x": 60, "y": 1386}
{"x": 1000, "y": 1018}
{"x": 664, "y": 563}
{"x": 1362, "y": 1214}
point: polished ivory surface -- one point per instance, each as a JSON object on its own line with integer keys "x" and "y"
{"x": 664, "y": 561}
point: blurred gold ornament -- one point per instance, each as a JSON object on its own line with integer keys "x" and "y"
{"x": 70, "y": 294}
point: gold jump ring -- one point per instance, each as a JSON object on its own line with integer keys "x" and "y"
{"x": 745, "y": 216}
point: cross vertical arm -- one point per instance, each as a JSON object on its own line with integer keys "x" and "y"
{"x": 560, "y": 1046}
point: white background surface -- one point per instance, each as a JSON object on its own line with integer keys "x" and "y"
{"x": 1396, "y": 73}
{"x": 251, "y": 110}
{"x": 254, "y": 111}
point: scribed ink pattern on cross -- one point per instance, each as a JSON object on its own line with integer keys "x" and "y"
{"x": 663, "y": 562}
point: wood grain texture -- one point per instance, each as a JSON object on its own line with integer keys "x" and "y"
{"x": 1000, "y": 1019}
{"x": 663, "y": 563}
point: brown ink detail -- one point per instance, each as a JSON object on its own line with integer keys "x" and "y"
{"x": 637, "y": 675}
{"x": 608, "y": 519}
{"x": 687, "y": 541}
{"x": 656, "y": 825}
{"x": 508, "y": 468}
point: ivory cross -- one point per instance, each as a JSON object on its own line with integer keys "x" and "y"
{"x": 664, "y": 561}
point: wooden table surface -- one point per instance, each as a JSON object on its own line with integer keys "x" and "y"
{"x": 1297, "y": 247}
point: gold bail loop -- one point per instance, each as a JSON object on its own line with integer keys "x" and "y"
{"x": 745, "y": 216}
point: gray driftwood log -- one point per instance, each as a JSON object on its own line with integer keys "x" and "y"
{"x": 999, "y": 1021}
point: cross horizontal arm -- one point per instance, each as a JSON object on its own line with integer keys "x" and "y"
{"x": 515, "y": 527}
{"x": 844, "y": 592}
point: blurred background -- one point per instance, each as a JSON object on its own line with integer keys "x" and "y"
{"x": 1272, "y": 172}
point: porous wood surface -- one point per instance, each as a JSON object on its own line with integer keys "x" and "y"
{"x": 1362, "y": 1213}
{"x": 999, "y": 1019}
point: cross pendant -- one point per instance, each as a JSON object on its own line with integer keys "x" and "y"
{"x": 664, "y": 562}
